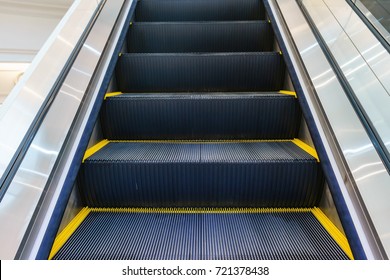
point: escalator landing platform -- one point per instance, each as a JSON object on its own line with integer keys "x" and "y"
{"x": 200, "y": 234}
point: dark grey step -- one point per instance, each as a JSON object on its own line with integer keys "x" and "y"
{"x": 199, "y": 10}
{"x": 187, "y": 72}
{"x": 172, "y": 37}
{"x": 199, "y": 116}
{"x": 161, "y": 174}
{"x": 218, "y": 236}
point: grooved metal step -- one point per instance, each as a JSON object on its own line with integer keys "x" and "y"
{"x": 166, "y": 174}
{"x": 174, "y": 37}
{"x": 209, "y": 72}
{"x": 135, "y": 235}
{"x": 199, "y": 10}
{"x": 213, "y": 116}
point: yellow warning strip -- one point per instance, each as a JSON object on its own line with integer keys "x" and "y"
{"x": 68, "y": 231}
{"x": 200, "y": 141}
{"x": 333, "y": 231}
{"x": 306, "y": 148}
{"x": 296, "y": 141}
{"x": 191, "y": 210}
{"x": 288, "y": 92}
{"x": 95, "y": 148}
{"x": 111, "y": 94}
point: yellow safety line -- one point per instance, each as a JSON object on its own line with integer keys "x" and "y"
{"x": 288, "y": 92}
{"x": 95, "y": 148}
{"x": 333, "y": 231}
{"x": 111, "y": 94}
{"x": 68, "y": 231}
{"x": 190, "y": 210}
{"x": 306, "y": 148}
{"x": 104, "y": 142}
{"x": 199, "y": 141}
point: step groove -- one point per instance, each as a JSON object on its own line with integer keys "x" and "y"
{"x": 215, "y": 116}
{"x": 175, "y": 37}
{"x": 262, "y": 174}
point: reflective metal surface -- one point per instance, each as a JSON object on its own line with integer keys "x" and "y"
{"x": 21, "y": 106}
{"x": 362, "y": 58}
{"x": 23, "y": 196}
{"x": 365, "y": 63}
{"x": 368, "y": 173}
{"x": 54, "y": 186}
{"x": 378, "y": 14}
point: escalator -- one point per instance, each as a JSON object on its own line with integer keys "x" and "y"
{"x": 201, "y": 156}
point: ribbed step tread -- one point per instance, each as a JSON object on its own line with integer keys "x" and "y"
{"x": 265, "y": 174}
{"x": 200, "y": 152}
{"x": 161, "y": 236}
{"x": 174, "y": 37}
{"x": 199, "y": 10}
{"x": 189, "y": 72}
{"x": 215, "y": 116}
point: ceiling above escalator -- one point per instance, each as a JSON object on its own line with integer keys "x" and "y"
{"x": 25, "y": 25}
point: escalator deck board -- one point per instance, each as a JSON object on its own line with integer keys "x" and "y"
{"x": 204, "y": 235}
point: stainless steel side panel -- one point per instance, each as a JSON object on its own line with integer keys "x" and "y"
{"x": 22, "y": 105}
{"x": 374, "y": 21}
{"x": 365, "y": 63}
{"x": 362, "y": 58}
{"x": 24, "y": 193}
{"x": 369, "y": 177}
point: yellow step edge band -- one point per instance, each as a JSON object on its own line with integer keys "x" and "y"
{"x": 306, "y": 148}
{"x": 95, "y": 148}
{"x": 336, "y": 234}
{"x": 67, "y": 232}
{"x": 288, "y": 92}
{"x": 198, "y": 141}
{"x": 190, "y": 210}
{"x": 104, "y": 142}
{"x": 111, "y": 94}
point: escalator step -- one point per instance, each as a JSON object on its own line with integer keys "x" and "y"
{"x": 201, "y": 174}
{"x": 173, "y": 37}
{"x": 199, "y": 10}
{"x": 136, "y": 235}
{"x": 189, "y": 72}
{"x": 215, "y": 116}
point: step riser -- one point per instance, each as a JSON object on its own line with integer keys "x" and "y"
{"x": 200, "y": 10}
{"x": 200, "y": 37}
{"x": 200, "y": 118}
{"x": 200, "y": 72}
{"x": 294, "y": 184}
